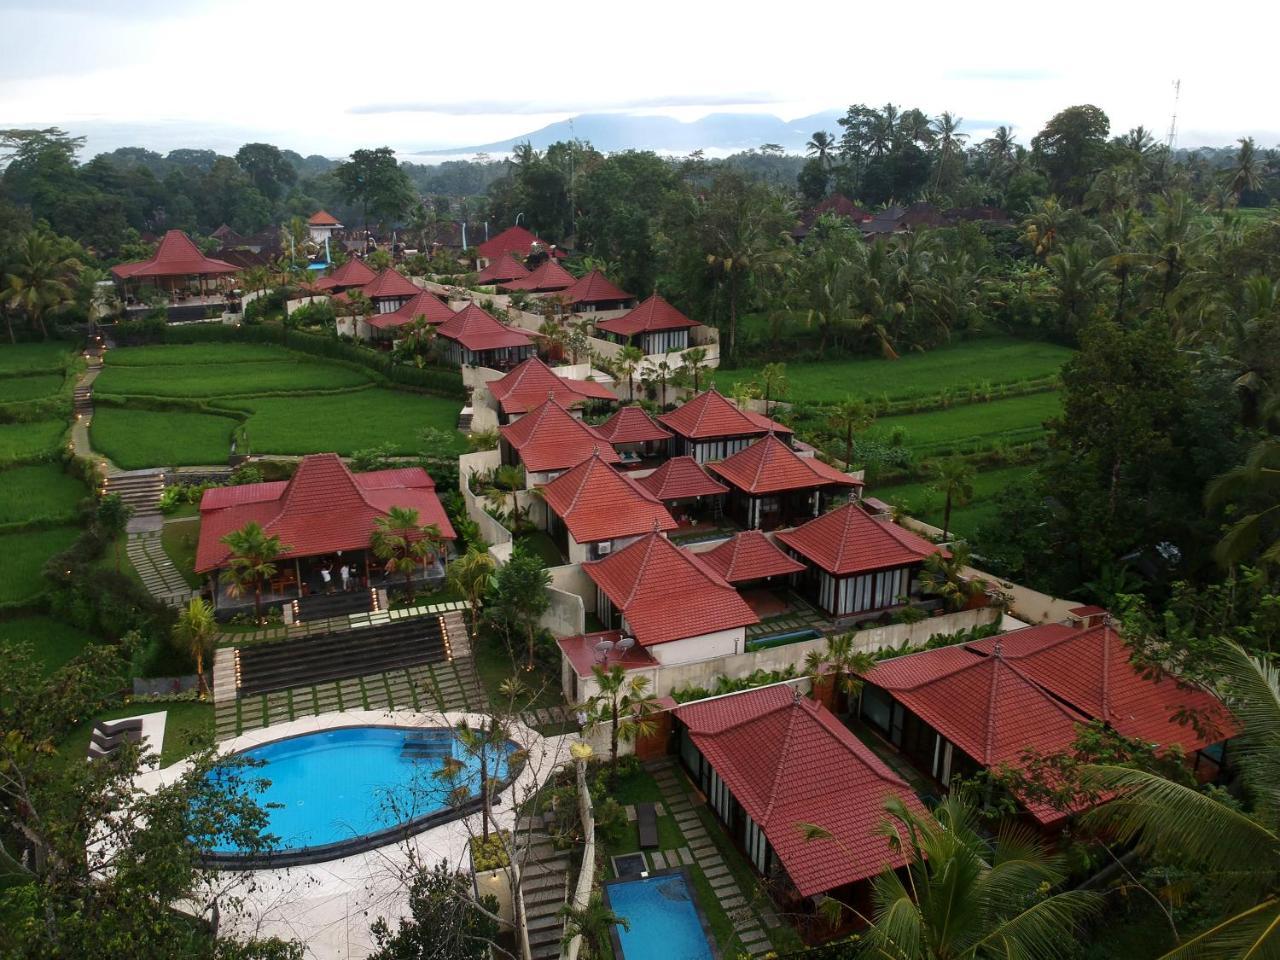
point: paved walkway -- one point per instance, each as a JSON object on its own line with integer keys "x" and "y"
{"x": 748, "y": 924}
{"x": 161, "y": 577}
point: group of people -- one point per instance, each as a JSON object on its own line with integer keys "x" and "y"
{"x": 345, "y": 576}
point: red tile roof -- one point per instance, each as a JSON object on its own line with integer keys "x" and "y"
{"x": 476, "y": 330}
{"x": 581, "y": 652}
{"x": 353, "y": 273}
{"x": 632, "y": 425}
{"x": 749, "y": 555}
{"x": 770, "y": 466}
{"x": 681, "y": 478}
{"x": 847, "y": 541}
{"x": 666, "y": 593}
{"x": 652, "y": 315}
{"x": 710, "y": 414}
{"x": 504, "y": 268}
{"x": 176, "y": 256}
{"x": 530, "y": 383}
{"x": 423, "y": 304}
{"x": 514, "y": 240}
{"x": 1090, "y": 668}
{"x": 789, "y": 761}
{"x": 594, "y": 287}
{"x": 388, "y": 284}
{"x": 323, "y": 218}
{"x": 548, "y": 277}
{"x": 322, "y": 509}
{"x": 598, "y": 503}
{"x": 550, "y": 438}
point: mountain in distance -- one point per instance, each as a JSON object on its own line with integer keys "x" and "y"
{"x": 716, "y": 132}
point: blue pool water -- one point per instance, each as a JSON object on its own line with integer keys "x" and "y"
{"x": 665, "y": 922}
{"x": 338, "y": 785}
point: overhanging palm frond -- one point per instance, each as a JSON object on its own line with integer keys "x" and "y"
{"x": 1252, "y": 689}
{"x": 1037, "y": 932}
{"x": 1253, "y": 934}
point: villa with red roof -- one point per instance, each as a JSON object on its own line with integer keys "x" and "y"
{"x": 673, "y": 604}
{"x": 548, "y": 278}
{"x": 750, "y": 559}
{"x": 548, "y": 440}
{"x": 324, "y": 516}
{"x": 390, "y": 290}
{"x": 768, "y": 760}
{"x": 955, "y": 710}
{"x": 180, "y": 271}
{"x": 593, "y": 510}
{"x": 594, "y": 292}
{"x": 635, "y": 435}
{"x": 655, "y": 326}
{"x": 858, "y": 565}
{"x": 773, "y": 486}
{"x": 351, "y": 275}
{"x": 502, "y": 270}
{"x": 710, "y": 427}
{"x": 321, "y": 225}
{"x": 516, "y": 241}
{"x": 476, "y": 339}
{"x": 529, "y": 384}
{"x": 387, "y": 326}
{"x": 689, "y": 492}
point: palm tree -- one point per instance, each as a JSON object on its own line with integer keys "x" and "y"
{"x": 403, "y": 544}
{"x": 1000, "y": 145}
{"x": 773, "y": 383}
{"x": 950, "y": 140}
{"x": 842, "y": 664}
{"x": 662, "y": 372}
{"x": 38, "y": 280}
{"x": 953, "y": 478}
{"x": 1246, "y": 169}
{"x": 486, "y": 744}
{"x": 194, "y": 631}
{"x": 629, "y": 360}
{"x": 945, "y": 577}
{"x": 624, "y": 702}
{"x": 469, "y": 575}
{"x": 695, "y": 361}
{"x": 593, "y": 923}
{"x": 965, "y": 895}
{"x": 820, "y": 146}
{"x": 1078, "y": 278}
{"x": 1255, "y": 486}
{"x": 511, "y": 479}
{"x": 1236, "y": 851}
{"x": 252, "y": 561}
{"x": 848, "y": 417}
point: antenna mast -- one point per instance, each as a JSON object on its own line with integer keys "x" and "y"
{"x": 1173, "y": 121}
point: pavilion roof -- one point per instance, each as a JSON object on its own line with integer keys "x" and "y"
{"x": 666, "y": 593}
{"x": 681, "y": 478}
{"x": 323, "y": 508}
{"x": 514, "y": 240}
{"x": 651, "y": 316}
{"x": 390, "y": 283}
{"x": 594, "y": 287}
{"x": 504, "y": 268}
{"x": 630, "y": 424}
{"x": 550, "y": 276}
{"x": 175, "y": 256}
{"x": 531, "y": 382}
{"x": 323, "y": 218}
{"x": 353, "y": 273}
{"x": 847, "y": 540}
{"x": 750, "y": 555}
{"x": 477, "y": 331}
{"x": 770, "y": 466}
{"x": 598, "y": 503}
{"x": 711, "y": 414}
{"x": 550, "y": 438}
{"x": 423, "y": 304}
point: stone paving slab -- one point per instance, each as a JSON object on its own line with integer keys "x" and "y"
{"x": 659, "y": 861}
{"x": 686, "y": 857}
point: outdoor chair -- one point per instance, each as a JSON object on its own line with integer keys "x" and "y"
{"x": 112, "y": 727}
{"x": 647, "y": 825}
{"x": 111, "y": 741}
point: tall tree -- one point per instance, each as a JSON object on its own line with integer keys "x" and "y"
{"x": 469, "y": 575}
{"x": 267, "y": 167}
{"x": 1071, "y": 149}
{"x": 405, "y": 544}
{"x": 374, "y": 179}
{"x": 517, "y": 600}
{"x": 252, "y": 561}
{"x": 38, "y": 280}
{"x": 194, "y": 632}
{"x": 849, "y": 417}
{"x": 953, "y": 478}
{"x": 623, "y": 701}
{"x": 1245, "y": 172}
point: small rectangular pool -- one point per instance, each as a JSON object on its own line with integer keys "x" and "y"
{"x": 666, "y": 922}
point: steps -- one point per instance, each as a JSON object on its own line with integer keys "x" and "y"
{"x": 326, "y": 606}
{"x": 141, "y": 490}
{"x": 545, "y": 883}
{"x": 159, "y": 575}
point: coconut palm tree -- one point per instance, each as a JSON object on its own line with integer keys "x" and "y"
{"x": 629, "y": 360}
{"x": 1236, "y": 851}
{"x": 623, "y": 701}
{"x": 404, "y": 544}
{"x": 695, "y": 361}
{"x": 252, "y": 562}
{"x": 1245, "y": 172}
{"x": 950, "y": 141}
{"x": 1000, "y": 146}
{"x": 593, "y": 923}
{"x": 840, "y": 663}
{"x": 965, "y": 895}
{"x": 1254, "y": 486}
{"x": 38, "y": 280}
{"x": 953, "y": 478}
{"x": 847, "y": 417}
{"x": 820, "y": 146}
{"x": 945, "y": 577}
{"x": 194, "y": 632}
{"x": 469, "y": 575}
{"x": 1078, "y": 278}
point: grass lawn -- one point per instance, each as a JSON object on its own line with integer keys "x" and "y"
{"x": 188, "y": 728}
{"x": 21, "y": 441}
{"x": 179, "y": 540}
{"x": 226, "y": 379}
{"x": 40, "y": 491}
{"x": 997, "y": 360}
{"x": 29, "y": 388}
{"x": 494, "y": 667}
{"x": 25, "y": 555}
{"x": 183, "y": 354}
{"x": 539, "y": 543}
{"x": 965, "y": 426}
{"x": 54, "y": 642}
{"x": 27, "y": 358}
{"x": 136, "y": 439}
{"x": 921, "y": 501}
{"x": 347, "y": 422}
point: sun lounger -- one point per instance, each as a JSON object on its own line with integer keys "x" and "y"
{"x": 647, "y": 824}
{"x": 113, "y": 741}
{"x": 112, "y": 727}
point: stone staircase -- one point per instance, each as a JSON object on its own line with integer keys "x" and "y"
{"x": 157, "y": 571}
{"x": 140, "y": 489}
{"x": 545, "y": 882}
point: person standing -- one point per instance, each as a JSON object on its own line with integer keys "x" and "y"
{"x": 344, "y": 574}
{"x": 326, "y": 577}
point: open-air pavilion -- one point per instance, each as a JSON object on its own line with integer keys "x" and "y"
{"x": 189, "y": 281}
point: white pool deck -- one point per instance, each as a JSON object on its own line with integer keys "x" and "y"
{"x": 328, "y": 906}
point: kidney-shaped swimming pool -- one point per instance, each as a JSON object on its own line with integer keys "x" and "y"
{"x": 337, "y": 792}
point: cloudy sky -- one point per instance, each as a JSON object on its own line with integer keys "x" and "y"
{"x": 326, "y": 77}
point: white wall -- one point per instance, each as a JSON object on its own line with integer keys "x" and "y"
{"x": 722, "y": 643}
